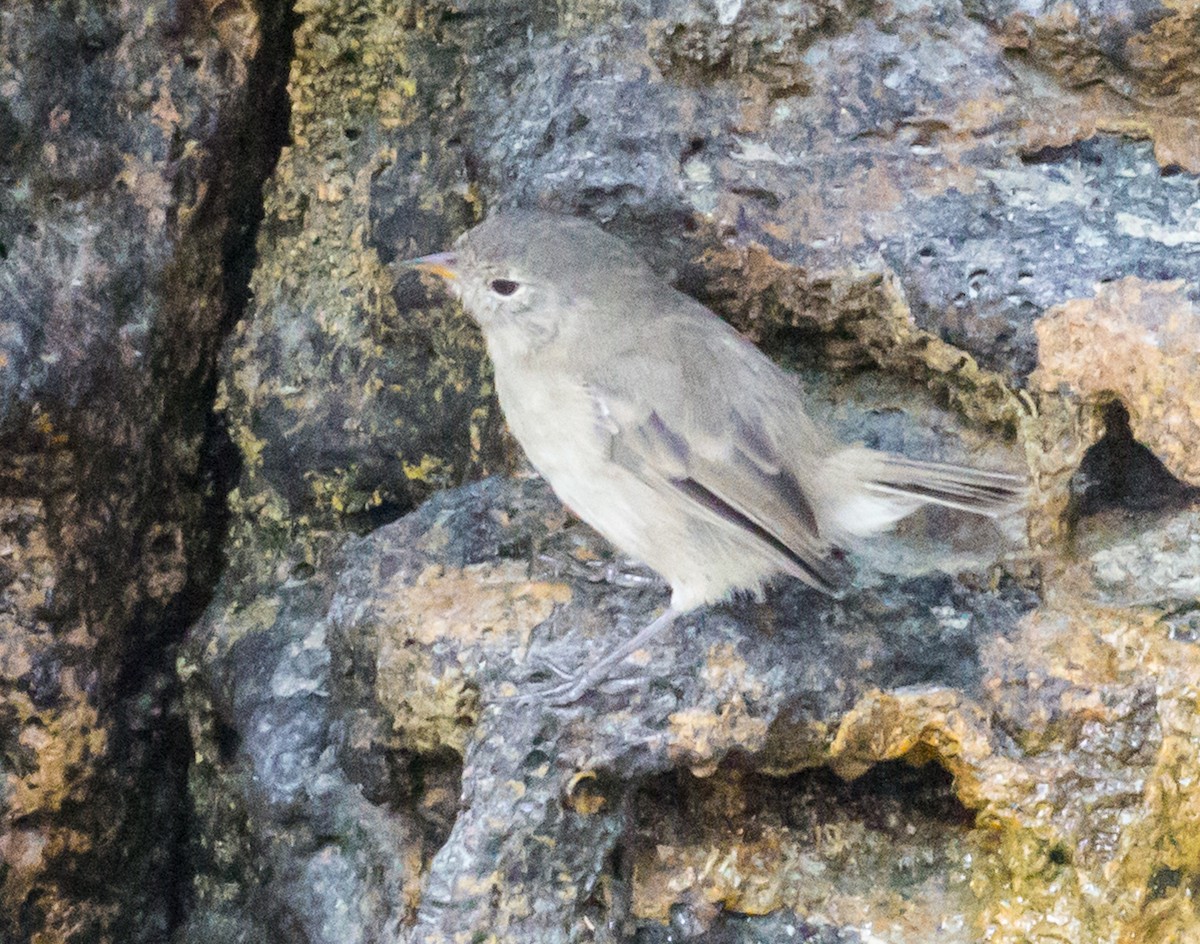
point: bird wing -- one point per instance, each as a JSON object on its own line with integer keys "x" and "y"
{"x": 724, "y": 427}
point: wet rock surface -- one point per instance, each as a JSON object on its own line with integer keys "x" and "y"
{"x": 891, "y": 764}
{"x": 132, "y": 153}
{"x": 935, "y": 214}
{"x": 381, "y": 700}
{"x": 1148, "y": 330}
{"x": 970, "y": 228}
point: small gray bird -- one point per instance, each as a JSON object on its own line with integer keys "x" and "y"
{"x": 666, "y": 430}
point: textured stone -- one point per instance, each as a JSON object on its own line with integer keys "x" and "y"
{"x": 347, "y": 410}
{"x": 897, "y": 201}
{"x": 543, "y": 791}
{"x": 1137, "y": 341}
{"x": 1062, "y": 733}
{"x": 131, "y": 152}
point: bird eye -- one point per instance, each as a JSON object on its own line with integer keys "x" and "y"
{"x": 503, "y": 287}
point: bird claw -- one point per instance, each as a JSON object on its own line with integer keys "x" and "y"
{"x": 545, "y": 663}
{"x": 599, "y": 571}
{"x": 595, "y": 674}
{"x": 561, "y": 696}
{"x": 563, "y": 688}
{"x": 614, "y": 575}
{"x": 574, "y": 687}
{"x": 568, "y": 687}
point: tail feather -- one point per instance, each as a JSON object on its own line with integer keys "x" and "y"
{"x": 990, "y": 505}
{"x": 974, "y": 490}
{"x": 892, "y": 487}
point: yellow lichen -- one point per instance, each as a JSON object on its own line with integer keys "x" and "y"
{"x": 496, "y": 604}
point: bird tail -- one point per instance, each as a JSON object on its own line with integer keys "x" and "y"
{"x": 884, "y": 488}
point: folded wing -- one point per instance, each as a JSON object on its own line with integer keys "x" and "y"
{"x": 685, "y": 432}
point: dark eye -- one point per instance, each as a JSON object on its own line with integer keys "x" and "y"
{"x": 503, "y": 287}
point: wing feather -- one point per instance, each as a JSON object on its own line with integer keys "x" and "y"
{"x": 728, "y": 462}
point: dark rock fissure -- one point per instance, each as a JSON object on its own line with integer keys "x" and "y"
{"x": 253, "y": 141}
{"x": 923, "y": 790}
{"x": 149, "y": 730}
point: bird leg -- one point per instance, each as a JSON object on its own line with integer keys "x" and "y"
{"x": 576, "y": 686}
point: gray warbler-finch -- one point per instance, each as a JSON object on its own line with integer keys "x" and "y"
{"x": 667, "y": 431}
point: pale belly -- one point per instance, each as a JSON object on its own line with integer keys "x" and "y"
{"x": 703, "y": 558}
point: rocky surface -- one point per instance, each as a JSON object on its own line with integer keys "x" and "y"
{"x": 955, "y": 223}
{"x": 970, "y": 227}
{"x": 1147, "y": 330}
{"x": 895, "y": 766}
{"x": 132, "y": 152}
{"x": 396, "y": 692}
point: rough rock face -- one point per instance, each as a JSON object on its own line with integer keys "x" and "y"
{"x": 971, "y": 228}
{"x": 387, "y": 693}
{"x": 1148, "y": 330}
{"x": 129, "y": 177}
{"x": 1004, "y": 745}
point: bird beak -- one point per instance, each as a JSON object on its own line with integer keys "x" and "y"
{"x": 440, "y": 263}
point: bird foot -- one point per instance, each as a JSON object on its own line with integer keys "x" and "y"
{"x": 557, "y": 685}
{"x": 571, "y": 688}
{"x": 574, "y": 685}
{"x": 620, "y": 573}
{"x": 573, "y": 691}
